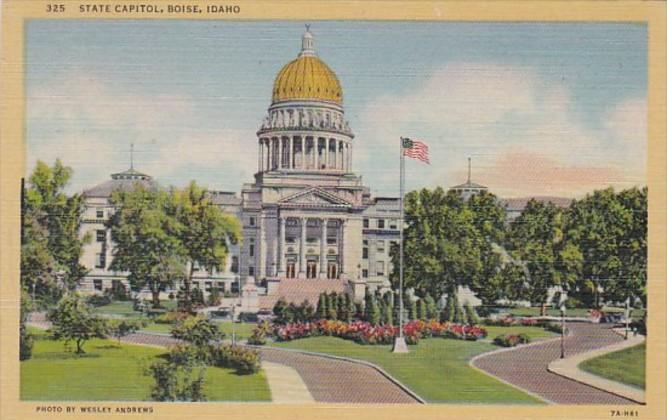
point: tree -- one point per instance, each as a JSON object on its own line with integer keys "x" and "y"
{"x": 51, "y": 246}
{"x": 422, "y": 313}
{"x": 279, "y": 310}
{"x": 442, "y": 245}
{"x": 374, "y": 313}
{"x": 73, "y": 320}
{"x": 147, "y": 240}
{"x": 197, "y": 330}
{"x": 322, "y": 311}
{"x": 25, "y": 338}
{"x": 214, "y": 297}
{"x": 207, "y": 233}
{"x": 471, "y": 314}
{"x": 431, "y": 307}
{"x": 120, "y": 328}
{"x": 536, "y": 239}
{"x": 332, "y": 306}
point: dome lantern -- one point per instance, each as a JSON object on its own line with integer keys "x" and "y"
{"x": 307, "y": 44}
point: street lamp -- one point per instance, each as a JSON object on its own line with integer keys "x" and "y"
{"x": 562, "y": 331}
{"x": 627, "y": 317}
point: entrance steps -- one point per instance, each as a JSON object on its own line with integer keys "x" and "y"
{"x": 297, "y": 290}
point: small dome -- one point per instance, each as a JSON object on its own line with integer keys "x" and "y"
{"x": 307, "y": 78}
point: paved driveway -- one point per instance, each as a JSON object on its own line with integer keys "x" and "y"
{"x": 526, "y": 367}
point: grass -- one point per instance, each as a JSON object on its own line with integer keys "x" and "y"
{"x": 627, "y": 366}
{"x": 436, "y": 369}
{"x": 243, "y": 330}
{"x": 583, "y": 312}
{"x": 535, "y": 333}
{"x": 112, "y": 372}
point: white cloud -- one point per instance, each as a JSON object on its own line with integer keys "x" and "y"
{"x": 490, "y": 112}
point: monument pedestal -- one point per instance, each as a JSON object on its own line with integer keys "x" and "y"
{"x": 400, "y": 346}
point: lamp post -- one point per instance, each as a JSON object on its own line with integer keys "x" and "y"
{"x": 627, "y": 317}
{"x": 562, "y": 331}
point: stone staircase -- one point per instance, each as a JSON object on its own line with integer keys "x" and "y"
{"x": 298, "y": 290}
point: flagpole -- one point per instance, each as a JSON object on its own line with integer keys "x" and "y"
{"x": 400, "y": 345}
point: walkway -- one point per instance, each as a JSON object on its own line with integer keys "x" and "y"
{"x": 327, "y": 380}
{"x": 526, "y": 366}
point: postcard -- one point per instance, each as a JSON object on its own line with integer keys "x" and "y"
{"x": 386, "y": 209}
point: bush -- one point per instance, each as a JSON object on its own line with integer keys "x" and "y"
{"x": 180, "y": 377}
{"x": 508, "y": 340}
{"x": 244, "y": 360}
{"x": 214, "y": 297}
{"x": 171, "y": 317}
{"x": 197, "y": 330}
{"x": 119, "y": 328}
{"x": 118, "y": 291}
{"x": 471, "y": 315}
{"x": 98, "y": 300}
{"x": 258, "y": 337}
{"x": 26, "y": 342}
{"x": 73, "y": 320}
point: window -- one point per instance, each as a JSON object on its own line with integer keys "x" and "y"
{"x": 380, "y": 223}
{"x": 331, "y": 240}
{"x": 251, "y": 221}
{"x": 365, "y": 253}
{"x": 364, "y": 273}
{"x": 235, "y": 264}
{"x": 100, "y": 260}
{"x": 101, "y": 235}
{"x": 97, "y": 284}
{"x": 251, "y": 250}
{"x": 100, "y": 214}
{"x": 115, "y": 284}
{"x": 380, "y": 245}
{"x": 379, "y": 268}
{"x": 251, "y": 271}
{"x": 290, "y": 239}
{"x": 393, "y": 224}
{"x": 365, "y": 242}
{"x": 366, "y": 223}
{"x": 208, "y": 286}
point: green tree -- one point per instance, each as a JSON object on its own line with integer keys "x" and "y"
{"x": 431, "y": 307}
{"x": 422, "y": 313}
{"x": 535, "y": 239}
{"x": 207, "y": 233}
{"x": 26, "y": 340}
{"x": 332, "y": 306}
{"x": 374, "y": 315}
{"x": 120, "y": 328}
{"x": 322, "y": 310}
{"x": 146, "y": 238}
{"x": 471, "y": 314}
{"x": 442, "y": 245}
{"x": 73, "y": 320}
{"x": 51, "y": 246}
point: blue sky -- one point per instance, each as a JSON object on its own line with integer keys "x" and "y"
{"x": 543, "y": 109}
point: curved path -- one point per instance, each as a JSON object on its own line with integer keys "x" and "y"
{"x": 526, "y": 367}
{"x": 328, "y": 380}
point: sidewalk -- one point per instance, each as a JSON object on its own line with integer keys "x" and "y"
{"x": 569, "y": 368}
{"x": 286, "y": 385}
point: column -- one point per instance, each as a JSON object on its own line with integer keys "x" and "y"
{"x": 302, "y": 249}
{"x": 280, "y": 152}
{"x": 323, "y": 249}
{"x": 339, "y": 149}
{"x": 290, "y": 153}
{"x": 343, "y": 162}
{"x": 260, "y": 157}
{"x": 267, "y": 154}
{"x": 317, "y": 152}
{"x": 341, "y": 253}
{"x": 326, "y": 154}
{"x": 281, "y": 248}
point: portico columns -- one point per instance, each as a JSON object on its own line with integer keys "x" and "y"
{"x": 323, "y": 248}
{"x": 281, "y": 248}
{"x": 302, "y": 249}
{"x": 342, "y": 254}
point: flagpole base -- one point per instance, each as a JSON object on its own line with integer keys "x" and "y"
{"x": 400, "y": 346}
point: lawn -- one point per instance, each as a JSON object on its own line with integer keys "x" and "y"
{"x": 436, "y": 369}
{"x": 535, "y": 333}
{"x": 243, "y": 330}
{"x": 583, "y": 312}
{"x": 113, "y": 372}
{"x": 627, "y": 366}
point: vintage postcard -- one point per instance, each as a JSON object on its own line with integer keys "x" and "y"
{"x": 291, "y": 209}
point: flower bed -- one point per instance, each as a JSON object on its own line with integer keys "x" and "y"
{"x": 511, "y": 322}
{"x": 366, "y": 333}
{"x": 511, "y": 340}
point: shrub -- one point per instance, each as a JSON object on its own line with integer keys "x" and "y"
{"x": 171, "y": 317}
{"x": 471, "y": 315}
{"x": 507, "y": 340}
{"x": 98, "y": 300}
{"x": 197, "y": 330}
{"x": 322, "y": 310}
{"x": 214, "y": 297}
{"x": 258, "y": 337}
{"x": 422, "y": 313}
{"x": 431, "y": 307}
{"x": 117, "y": 291}
{"x": 180, "y": 377}
{"x": 244, "y": 360}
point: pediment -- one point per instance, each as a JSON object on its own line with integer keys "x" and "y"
{"x": 314, "y": 197}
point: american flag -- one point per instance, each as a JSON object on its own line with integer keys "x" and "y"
{"x": 415, "y": 149}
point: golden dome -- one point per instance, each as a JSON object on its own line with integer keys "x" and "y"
{"x": 307, "y": 78}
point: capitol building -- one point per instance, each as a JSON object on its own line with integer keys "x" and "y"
{"x": 309, "y": 224}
